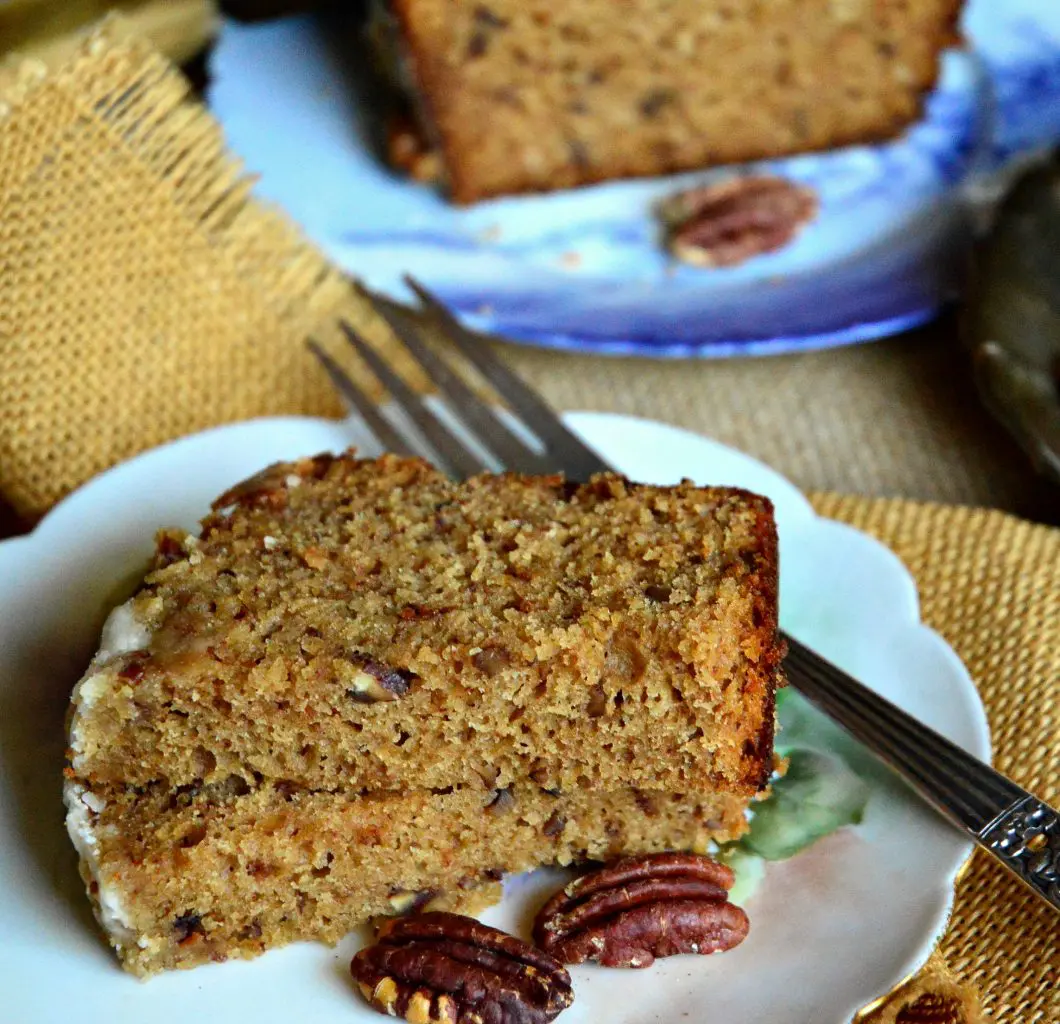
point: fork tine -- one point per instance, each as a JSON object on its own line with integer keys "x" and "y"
{"x": 459, "y": 458}
{"x": 579, "y": 461}
{"x": 384, "y": 433}
{"x": 489, "y": 428}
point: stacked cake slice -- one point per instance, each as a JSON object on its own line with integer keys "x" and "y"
{"x": 364, "y": 689}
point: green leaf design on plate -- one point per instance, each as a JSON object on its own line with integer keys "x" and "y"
{"x": 749, "y": 869}
{"x": 801, "y": 724}
{"x": 818, "y": 794}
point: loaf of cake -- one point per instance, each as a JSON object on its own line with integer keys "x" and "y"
{"x": 356, "y": 624}
{"x": 531, "y": 95}
{"x": 363, "y": 682}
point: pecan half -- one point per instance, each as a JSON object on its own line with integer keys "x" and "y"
{"x": 725, "y": 224}
{"x": 933, "y": 1008}
{"x": 447, "y": 967}
{"x": 640, "y": 908}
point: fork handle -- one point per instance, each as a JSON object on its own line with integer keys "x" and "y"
{"x": 1020, "y": 830}
{"x": 1026, "y": 839}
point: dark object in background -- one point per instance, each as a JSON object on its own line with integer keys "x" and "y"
{"x": 1011, "y": 321}
{"x": 197, "y": 69}
{"x": 262, "y": 10}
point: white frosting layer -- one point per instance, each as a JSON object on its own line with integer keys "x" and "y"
{"x": 123, "y": 632}
{"x": 81, "y": 810}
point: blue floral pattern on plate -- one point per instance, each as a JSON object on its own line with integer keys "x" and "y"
{"x": 584, "y": 269}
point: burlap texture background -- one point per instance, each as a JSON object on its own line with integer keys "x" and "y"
{"x": 143, "y": 295}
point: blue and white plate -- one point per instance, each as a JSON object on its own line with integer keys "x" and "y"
{"x": 584, "y": 270}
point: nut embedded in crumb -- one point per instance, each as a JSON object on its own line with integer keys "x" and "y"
{"x": 374, "y": 682}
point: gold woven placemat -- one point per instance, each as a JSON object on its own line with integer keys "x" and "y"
{"x": 990, "y": 584}
{"x": 144, "y": 295}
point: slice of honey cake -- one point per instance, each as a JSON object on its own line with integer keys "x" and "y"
{"x": 351, "y": 625}
{"x": 182, "y": 877}
{"x": 364, "y": 688}
{"x": 534, "y": 95}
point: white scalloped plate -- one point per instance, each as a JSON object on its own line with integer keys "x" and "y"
{"x": 832, "y": 929}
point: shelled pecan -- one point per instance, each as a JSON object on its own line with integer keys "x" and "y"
{"x": 724, "y": 224}
{"x": 640, "y": 908}
{"x": 447, "y": 967}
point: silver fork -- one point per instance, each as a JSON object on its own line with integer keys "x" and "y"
{"x": 1021, "y": 831}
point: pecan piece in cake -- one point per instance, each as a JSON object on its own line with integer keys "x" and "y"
{"x": 375, "y": 682}
{"x": 447, "y": 967}
{"x": 640, "y": 908}
{"x": 404, "y": 902}
{"x": 187, "y": 927}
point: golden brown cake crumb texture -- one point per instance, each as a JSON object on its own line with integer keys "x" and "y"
{"x": 223, "y": 872}
{"x": 364, "y": 688}
{"x": 598, "y": 636}
{"x": 540, "y": 95}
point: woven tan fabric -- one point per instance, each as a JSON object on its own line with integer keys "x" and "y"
{"x": 143, "y": 295}
{"x": 934, "y": 996}
{"x": 895, "y": 418}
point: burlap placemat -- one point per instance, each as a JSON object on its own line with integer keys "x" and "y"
{"x": 898, "y": 417}
{"x": 144, "y": 295}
